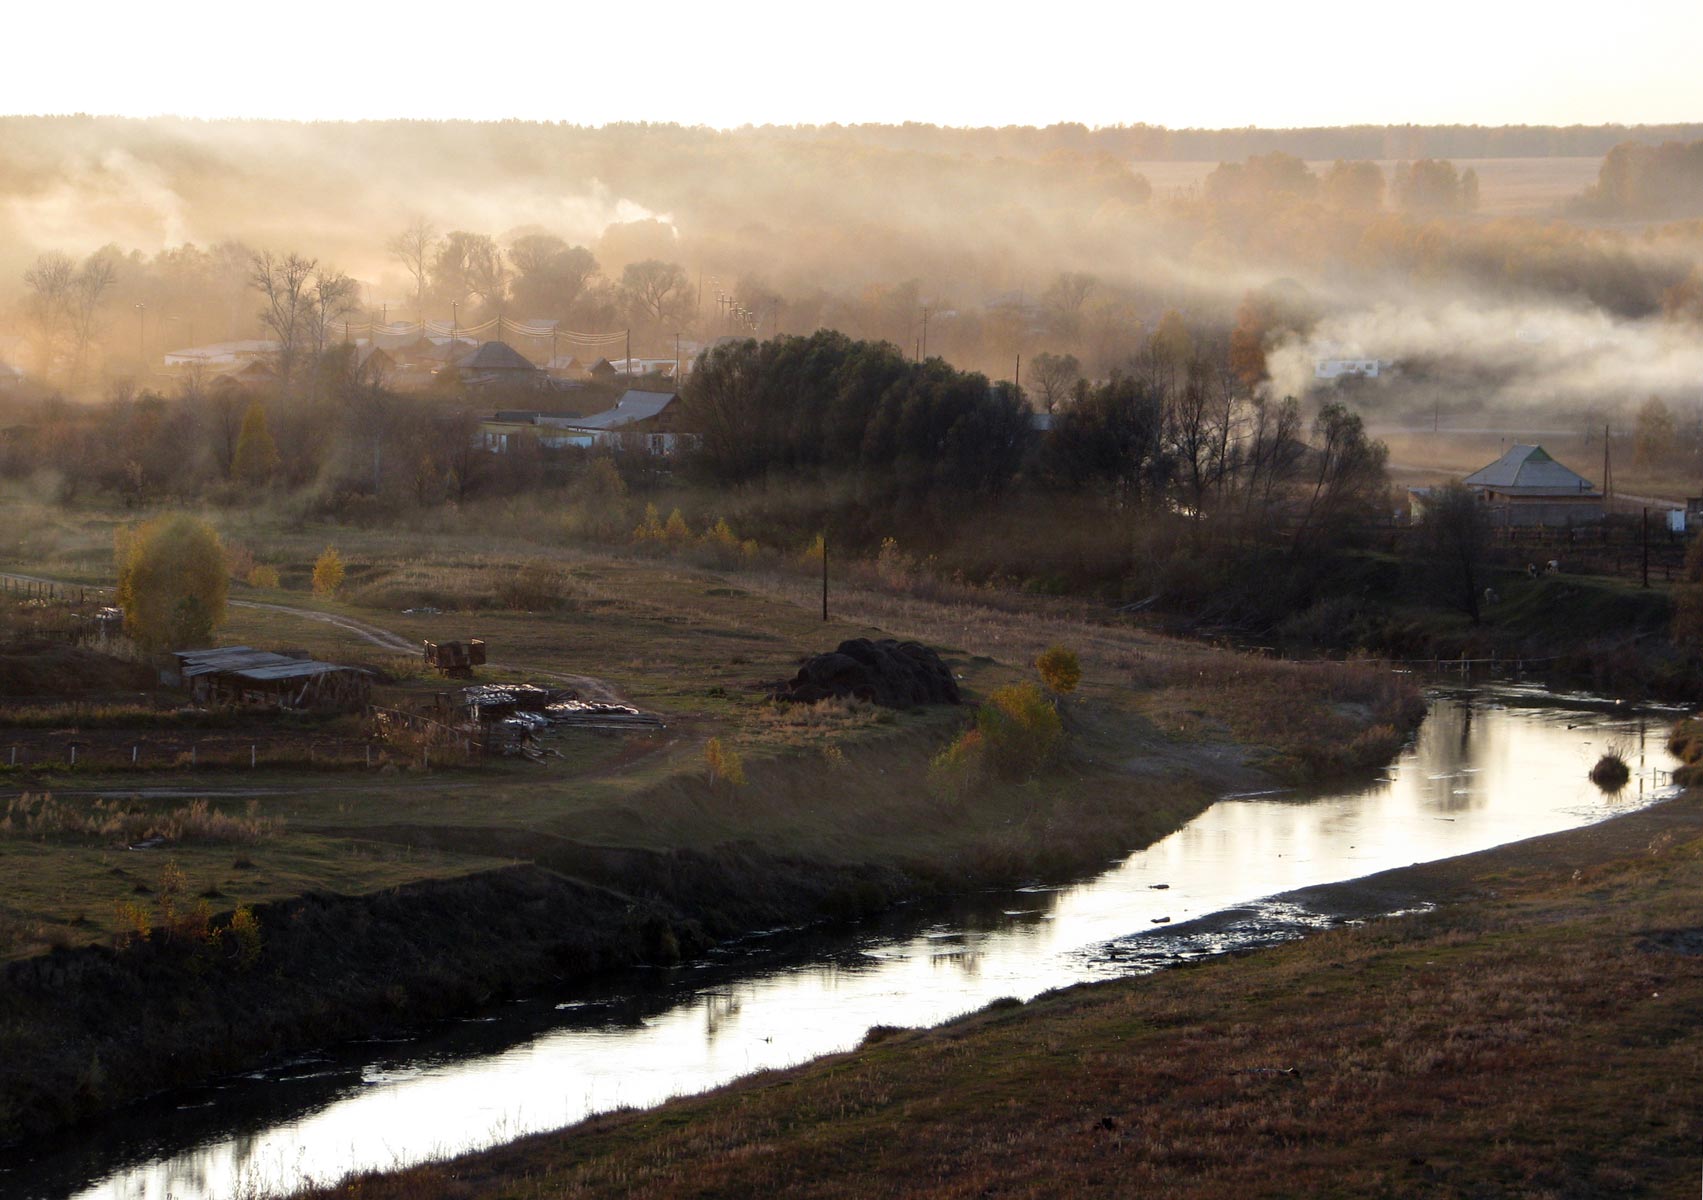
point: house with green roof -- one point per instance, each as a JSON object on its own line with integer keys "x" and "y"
{"x": 1527, "y": 487}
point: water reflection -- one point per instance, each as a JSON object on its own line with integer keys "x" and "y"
{"x": 1488, "y": 767}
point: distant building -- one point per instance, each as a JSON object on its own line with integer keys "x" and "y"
{"x": 222, "y": 354}
{"x": 639, "y": 421}
{"x": 1527, "y": 487}
{"x": 1350, "y": 368}
{"x": 497, "y": 364}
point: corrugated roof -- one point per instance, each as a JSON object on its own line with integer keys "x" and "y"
{"x": 633, "y": 406}
{"x": 1529, "y": 471}
{"x": 250, "y": 663}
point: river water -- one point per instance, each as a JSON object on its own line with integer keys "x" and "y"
{"x": 1489, "y": 766}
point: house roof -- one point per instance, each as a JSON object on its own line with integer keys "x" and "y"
{"x": 1529, "y": 471}
{"x": 497, "y": 356}
{"x": 249, "y": 663}
{"x": 632, "y": 407}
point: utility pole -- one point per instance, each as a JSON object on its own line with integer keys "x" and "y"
{"x": 629, "y": 355}
{"x": 1017, "y": 377}
{"x": 676, "y": 358}
{"x": 925, "y": 331}
{"x": 824, "y": 575}
{"x": 141, "y": 351}
{"x": 1607, "y": 475}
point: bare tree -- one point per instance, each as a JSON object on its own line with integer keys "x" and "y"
{"x": 287, "y": 285}
{"x": 91, "y": 284}
{"x": 1054, "y": 376}
{"x": 652, "y": 287}
{"x": 413, "y": 249}
{"x": 333, "y": 296}
{"x": 50, "y": 280}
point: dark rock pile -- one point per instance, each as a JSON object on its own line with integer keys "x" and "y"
{"x": 894, "y": 674}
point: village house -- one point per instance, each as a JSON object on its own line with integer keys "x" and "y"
{"x": 1527, "y": 487}
{"x": 638, "y": 421}
{"x": 497, "y": 364}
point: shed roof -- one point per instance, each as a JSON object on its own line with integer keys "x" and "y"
{"x": 1530, "y": 471}
{"x": 249, "y": 663}
{"x": 632, "y": 407}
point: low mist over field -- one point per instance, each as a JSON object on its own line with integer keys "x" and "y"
{"x": 1554, "y": 285}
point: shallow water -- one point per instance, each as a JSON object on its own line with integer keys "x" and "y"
{"x": 1489, "y": 766}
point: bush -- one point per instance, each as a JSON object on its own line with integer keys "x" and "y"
{"x": 263, "y": 577}
{"x": 172, "y": 583}
{"x": 724, "y": 763}
{"x": 1060, "y": 669}
{"x": 328, "y": 573}
{"x": 1020, "y": 729}
{"x": 954, "y": 769}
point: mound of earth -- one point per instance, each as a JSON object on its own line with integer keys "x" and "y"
{"x": 894, "y": 674}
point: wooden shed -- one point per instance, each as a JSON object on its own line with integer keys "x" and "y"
{"x": 242, "y": 675}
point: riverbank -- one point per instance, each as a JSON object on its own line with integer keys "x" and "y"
{"x": 375, "y": 893}
{"x": 1534, "y": 1033}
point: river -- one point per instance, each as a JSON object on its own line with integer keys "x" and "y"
{"x": 1490, "y": 765}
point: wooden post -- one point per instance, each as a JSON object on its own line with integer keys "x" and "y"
{"x": 251, "y": 756}
{"x": 134, "y": 751}
{"x": 73, "y": 754}
{"x": 824, "y": 575}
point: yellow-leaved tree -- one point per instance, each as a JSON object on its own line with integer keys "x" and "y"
{"x": 172, "y": 582}
{"x": 328, "y": 572}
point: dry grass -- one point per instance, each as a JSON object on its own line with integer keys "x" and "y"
{"x": 39, "y": 817}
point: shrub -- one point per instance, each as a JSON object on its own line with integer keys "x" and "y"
{"x": 676, "y": 532}
{"x": 893, "y": 566}
{"x": 1020, "y": 729}
{"x": 952, "y": 771}
{"x": 244, "y": 935}
{"x": 600, "y": 502}
{"x": 328, "y": 572}
{"x": 724, "y": 763}
{"x": 239, "y": 560}
{"x": 649, "y": 531}
{"x": 811, "y": 555}
{"x": 260, "y": 576}
{"x": 1060, "y": 669}
{"x": 1611, "y": 772}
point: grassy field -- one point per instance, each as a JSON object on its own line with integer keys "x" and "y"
{"x": 1156, "y": 725}
{"x": 1533, "y": 1036}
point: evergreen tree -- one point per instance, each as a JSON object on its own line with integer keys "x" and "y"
{"x": 256, "y": 454}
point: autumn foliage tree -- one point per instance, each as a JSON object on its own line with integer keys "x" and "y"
{"x": 256, "y": 454}
{"x": 172, "y": 582}
{"x": 328, "y": 572}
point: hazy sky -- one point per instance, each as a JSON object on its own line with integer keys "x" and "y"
{"x": 1307, "y": 62}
